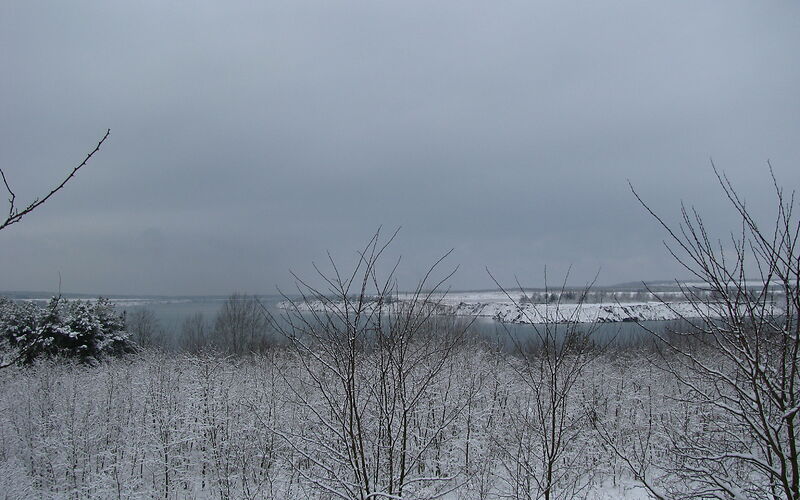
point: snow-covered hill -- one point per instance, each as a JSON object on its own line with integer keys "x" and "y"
{"x": 500, "y": 307}
{"x": 508, "y": 312}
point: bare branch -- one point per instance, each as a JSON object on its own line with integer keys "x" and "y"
{"x": 15, "y": 215}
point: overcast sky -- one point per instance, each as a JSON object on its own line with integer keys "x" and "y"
{"x": 247, "y": 138}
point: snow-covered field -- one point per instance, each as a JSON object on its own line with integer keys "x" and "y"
{"x": 176, "y": 427}
{"x": 507, "y": 311}
{"x": 498, "y": 306}
{"x": 413, "y": 416}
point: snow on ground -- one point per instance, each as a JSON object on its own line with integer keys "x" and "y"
{"x": 501, "y": 307}
{"x": 623, "y": 490}
{"x": 508, "y": 312}
{"x": 498, "y": 306}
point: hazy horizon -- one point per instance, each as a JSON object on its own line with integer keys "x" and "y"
{"x": 515, "y": 288}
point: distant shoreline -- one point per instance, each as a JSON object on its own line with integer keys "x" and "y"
{"x": 499, "y": 307}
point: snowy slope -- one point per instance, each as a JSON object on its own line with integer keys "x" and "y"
{"x": 498, "y": 306}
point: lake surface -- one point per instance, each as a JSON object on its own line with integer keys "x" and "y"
{"x": 172, "y": 312}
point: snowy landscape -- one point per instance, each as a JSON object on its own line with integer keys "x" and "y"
{"x": 517, "y": 306}
{"x": 210, "y": 427}
{"x": 376, "y": 400}
{"x": 400, "y": 250}
{"x": 377, "y": 393}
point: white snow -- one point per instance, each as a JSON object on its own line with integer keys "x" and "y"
{"x": 498, "y": 306}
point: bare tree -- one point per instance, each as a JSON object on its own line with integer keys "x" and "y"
{"x": 371, "y": 388}
{"x": 240, "y": 327}
{"x": 628, "y": 411}
{"x": 738, "y": 363}
{"x": 550, "y": 421}
{"x": 194, "y": 334}
{"x": 143, "y": 327}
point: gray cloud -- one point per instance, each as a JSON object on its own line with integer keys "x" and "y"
{"x": 249, "y": 138}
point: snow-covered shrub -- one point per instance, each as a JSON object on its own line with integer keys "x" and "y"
{"x": 79, "y": 329}
{"x": 17, "y": 323}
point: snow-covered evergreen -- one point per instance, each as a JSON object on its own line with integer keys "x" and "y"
{"x": 86, "y": 330}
